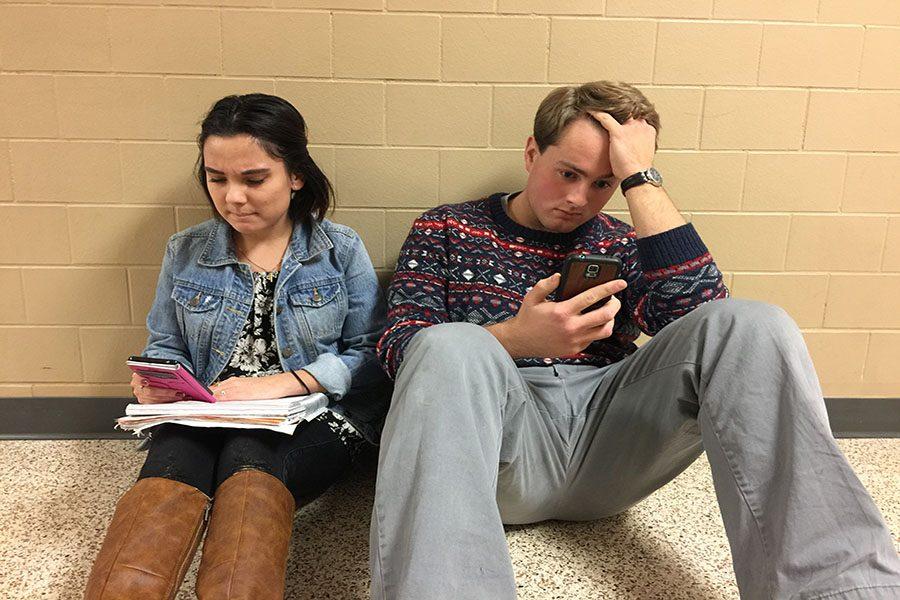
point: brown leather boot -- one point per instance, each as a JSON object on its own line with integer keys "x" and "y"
{"x": 150, "y": 542}
{"x": 246, "y": 548}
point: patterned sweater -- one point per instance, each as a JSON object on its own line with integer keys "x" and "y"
{"x": 471, "y": 262}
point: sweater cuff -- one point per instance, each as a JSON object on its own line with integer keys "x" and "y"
{"x": 672, "y": 247}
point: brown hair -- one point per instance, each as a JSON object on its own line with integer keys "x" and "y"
{"x": 565, "y": 104}
{"x": 281, "y": 130}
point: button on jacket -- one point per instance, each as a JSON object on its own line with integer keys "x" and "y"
{"x": 329, "y": 309}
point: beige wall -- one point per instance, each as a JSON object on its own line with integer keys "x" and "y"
{"x": 780, "y": 141}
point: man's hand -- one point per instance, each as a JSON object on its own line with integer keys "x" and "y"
{"x": 631, "y": 148}
{"x": 550, "y": 329}
{"x": 631, "y": 144}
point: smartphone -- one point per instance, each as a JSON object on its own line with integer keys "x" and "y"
{"x": 170, "y": 374}
{"x": 581, "y": 272}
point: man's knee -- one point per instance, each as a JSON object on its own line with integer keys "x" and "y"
{"x": 759, "y": 320}
{"x": 452, "y": 344}
{"x": 761, "y": 340}
{"x": 461, "y": 362}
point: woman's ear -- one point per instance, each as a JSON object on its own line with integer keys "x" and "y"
{"x": 296, "y": 182}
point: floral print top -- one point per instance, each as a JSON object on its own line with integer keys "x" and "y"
{"x": 256, "y": 352}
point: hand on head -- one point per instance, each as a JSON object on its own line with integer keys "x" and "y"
{"x": 632, "y": 144}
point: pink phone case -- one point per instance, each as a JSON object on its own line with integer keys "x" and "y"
{"x": 172, "y": 375}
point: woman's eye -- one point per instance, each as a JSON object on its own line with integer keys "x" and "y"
{"x": 215, "y": 180}
{"x": 255, "y": 181}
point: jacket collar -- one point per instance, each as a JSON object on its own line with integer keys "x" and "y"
{"x": 307, "y": 240}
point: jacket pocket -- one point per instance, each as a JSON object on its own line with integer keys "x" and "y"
{"x": 197, "y": 311}
{"x": 322, "y": 305}
{"x": 194, "y": 300}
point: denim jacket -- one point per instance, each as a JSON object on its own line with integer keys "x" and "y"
{"x": 329, "y": 308}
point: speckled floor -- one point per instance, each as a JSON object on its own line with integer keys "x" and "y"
{"x": 56, "y": 498}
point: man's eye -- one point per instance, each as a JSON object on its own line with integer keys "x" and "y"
{"x": 567, "y": 174}
{"x": 602, "y": 184}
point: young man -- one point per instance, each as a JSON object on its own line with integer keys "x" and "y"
{"x": 510, "y": 407}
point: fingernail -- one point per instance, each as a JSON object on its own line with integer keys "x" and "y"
{"x": 144, "y": 382}
{"x": 180, "y": 395}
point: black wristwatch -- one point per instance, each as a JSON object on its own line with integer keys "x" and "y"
{"x": 650, "y": 176}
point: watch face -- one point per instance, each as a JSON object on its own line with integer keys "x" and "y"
{"x": 653, "y": 176}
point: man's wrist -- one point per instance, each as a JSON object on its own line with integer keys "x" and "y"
{"x": 634, "y": 169}
{"x": 652, "y": 211}
{"x": 640, "y": 192}
{"x": 642, "y": 178}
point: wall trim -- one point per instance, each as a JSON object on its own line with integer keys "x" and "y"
{"x": 94, "y": 418}
{"x": 62, "y": 418}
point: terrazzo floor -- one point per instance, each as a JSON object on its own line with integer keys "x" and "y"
{"x": 56, "y": 498}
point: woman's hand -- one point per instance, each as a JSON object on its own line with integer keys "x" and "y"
{"x": 150, "y": 395}
{"x": 263, "y": 388}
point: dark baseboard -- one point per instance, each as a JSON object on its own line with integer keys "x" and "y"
{"x": 62, "y": 418}
{"x": 864, "y": 417}
{"x": 94, "y": 418}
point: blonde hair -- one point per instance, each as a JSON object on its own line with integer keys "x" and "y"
{"x": 565, "y": 104}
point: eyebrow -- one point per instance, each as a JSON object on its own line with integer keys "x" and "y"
{"x": 247, "y": 172}
{"x": 580, "y": 171}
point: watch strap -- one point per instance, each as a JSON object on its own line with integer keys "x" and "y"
{"x": 639, "y": 178}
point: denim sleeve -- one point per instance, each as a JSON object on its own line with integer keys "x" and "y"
{"x": 365, "y": 321}
{"x": 165, "y": 335}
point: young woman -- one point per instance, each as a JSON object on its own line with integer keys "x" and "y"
{"x": 268, "y": 299}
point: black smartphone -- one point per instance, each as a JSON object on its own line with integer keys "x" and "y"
{"x": 581, "y": 272}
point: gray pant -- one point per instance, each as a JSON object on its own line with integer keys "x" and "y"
{"x": 472, "y": 442}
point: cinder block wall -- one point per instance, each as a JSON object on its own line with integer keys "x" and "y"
{"x": 780, "y": 140}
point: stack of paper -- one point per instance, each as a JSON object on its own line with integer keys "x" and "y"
{"x": 279, "y": 414}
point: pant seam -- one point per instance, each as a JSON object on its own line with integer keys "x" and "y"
{"x": 655, "y": 371}
{"x": 854, "y": 589}
{"x": 740, "y": 487}
{"x": 378, "y": 550}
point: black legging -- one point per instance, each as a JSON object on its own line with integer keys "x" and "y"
{"x": 307, "y": 462}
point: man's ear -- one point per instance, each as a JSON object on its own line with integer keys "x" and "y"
{"x": 531, "y": 153}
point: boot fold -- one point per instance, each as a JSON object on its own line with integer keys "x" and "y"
{"x": 245, "y": 552}
{"x": 150, "y": 542}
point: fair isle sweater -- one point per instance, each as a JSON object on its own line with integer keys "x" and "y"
{"x": 472, "y": 263}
